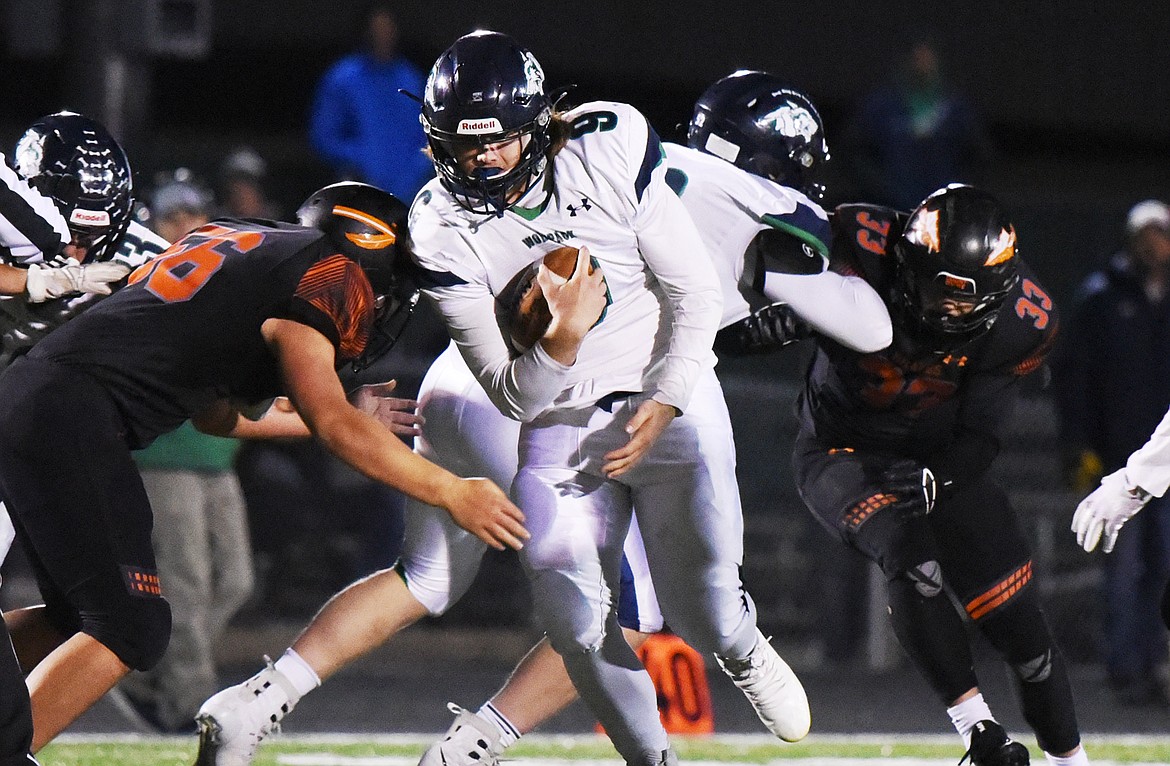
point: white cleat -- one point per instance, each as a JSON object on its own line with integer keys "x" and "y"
{"x": 233, "y": 721}
{"x": 772, "y": 688}
{"x": 471, "y": 741}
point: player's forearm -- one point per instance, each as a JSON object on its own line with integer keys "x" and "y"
{"x": 845, "y": 309}
{"x": 675, "y": 253}
{"x": 13, "y": 280}
{"x": 373, "y": 451}
{"x": 526, "y": 386}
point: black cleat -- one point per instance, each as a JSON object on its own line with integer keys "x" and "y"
{"x": 991, "y": 746}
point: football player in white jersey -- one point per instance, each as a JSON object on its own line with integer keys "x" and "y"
{"x": 749, "y": 178}
{"x": 467, "y": 434}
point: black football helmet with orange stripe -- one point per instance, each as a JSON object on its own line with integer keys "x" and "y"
{"x": 368, "y": 226}
{"x": 955, "y": 263}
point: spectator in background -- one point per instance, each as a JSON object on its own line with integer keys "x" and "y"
{"x": 1111, "y": 386}
{"x": 200, "y": 533}
{"x": 913, "y": 134}
{"x": 178, "y": 205}
{"x": 360, "y": 124}
{"x": 241, "y": 192}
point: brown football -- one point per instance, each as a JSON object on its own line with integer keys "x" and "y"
{"x": 524, "y": 311}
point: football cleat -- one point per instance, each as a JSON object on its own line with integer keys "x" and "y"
{"x": 772, "y": 688}
{"x": 471, "y": 741}
{"x": 991, "y": 746}
{"x": 233, "y": 721}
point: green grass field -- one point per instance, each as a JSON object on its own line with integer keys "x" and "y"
{"x": 355, "y": 750}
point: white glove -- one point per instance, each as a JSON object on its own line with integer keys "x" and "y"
{"x": 45, "y": 281}
{"x": 1105, "y": 510}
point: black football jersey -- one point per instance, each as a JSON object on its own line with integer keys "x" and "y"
{"x": 185, "y": 331}
{"x": 912, "y": 398}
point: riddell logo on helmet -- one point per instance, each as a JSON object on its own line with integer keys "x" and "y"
{"x": 89, "y": 217}
{"x": 486, "y": 125}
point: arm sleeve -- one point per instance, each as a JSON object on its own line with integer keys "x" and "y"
{"x": 1149, "y": 467}
{"x": 672, "y": 248}
{"x": 843, "y": 308}
{"x": 521, "y": 387}
{"x": 31, "y": 228}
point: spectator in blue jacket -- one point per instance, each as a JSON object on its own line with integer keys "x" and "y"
{"x": 361, "y": 126}
{"x": 1111, "y": 378}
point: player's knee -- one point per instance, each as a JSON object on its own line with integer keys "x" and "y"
{"x": 1021, "y": 635}
{"x": 137, "y": 632}
{"x": 436, "y": 591}
{"x": 1036, "y": 669}
{"x": 568, "y": 639}
{"x": 925, "y": 577}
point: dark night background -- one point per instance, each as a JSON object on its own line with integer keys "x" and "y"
{"x": 1075, "y": 95}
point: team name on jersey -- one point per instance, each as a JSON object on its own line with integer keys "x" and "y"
{"x": 555, "y": 237}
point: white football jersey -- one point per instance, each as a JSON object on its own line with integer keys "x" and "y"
{"x": 604, "y": 190}
{"x": 730, "y": 206}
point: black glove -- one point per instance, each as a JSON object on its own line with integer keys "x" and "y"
{"x": 913, "y": 484}
{"x": 768, "y": 328}
{"x": 62, "y": 188}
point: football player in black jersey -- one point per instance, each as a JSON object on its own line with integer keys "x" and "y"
{"x": 233, "y": 315}
{"x": 894, "y": 447}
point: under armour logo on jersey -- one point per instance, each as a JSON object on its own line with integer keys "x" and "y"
{"x": 585, "y": 205}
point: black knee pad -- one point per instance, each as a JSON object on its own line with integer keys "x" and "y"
{"x": 927, "y": 578}
{"x": 1020, "y": 634}
{"x": 137, "y": 630}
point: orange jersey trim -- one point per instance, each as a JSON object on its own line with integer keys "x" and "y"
{"x": 339, "y": 289}
{"x": 1000, "y": 593}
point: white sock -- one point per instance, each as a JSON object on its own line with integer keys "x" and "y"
{"x": 968, "y": 713}
{"x": 508, "y": 731}
{"x": 1079, "y": 758}
{"x": 303, "y": 678}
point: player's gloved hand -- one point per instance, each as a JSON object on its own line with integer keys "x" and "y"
{"x": 64, "y": 189}
{"x": 913, "y": 484}
{"x": 1105, "y": 510}
{"x": 766, "y": 329}
{"x": 47, "y": 281}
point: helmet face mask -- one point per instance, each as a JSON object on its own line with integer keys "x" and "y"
{"x": 757, "y": 123}
{"x": 368, "y": 226}
{"x": 486, "y": 89}
{"x": 956, "y": 262}
{"x": 78, "y": 164}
